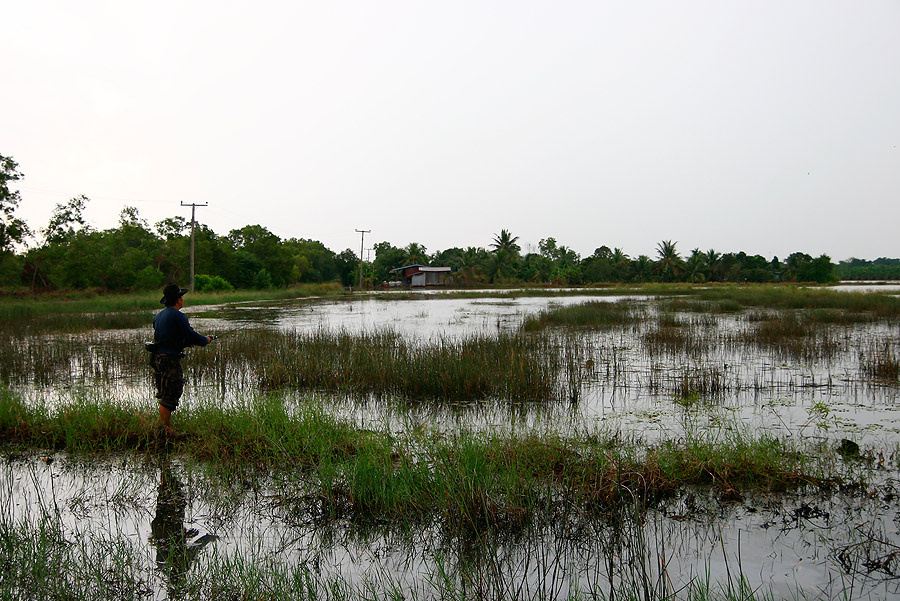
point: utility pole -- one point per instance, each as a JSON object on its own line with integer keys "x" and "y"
{"x": 193, "y": 206}
{"x": 362, "y": 236}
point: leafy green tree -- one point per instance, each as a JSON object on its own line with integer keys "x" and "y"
{"x": 262, "y": 280}
{"x": 597, "y": 267}
{"x": 243, "y": 268}
{"x": 312, "y": 261}
{"x": 451, "y": 257}
{"x": 12, "y": 229}
{"x": 65, "y": 220}
{"x": 268, "y": 250}
{"x": 819, "y": 270}
{"x": 205, "y": 283}
{"x": 174, "y": 227}
{"x": 793, "y": 264}
{"x": 387, "y": 257}
{"x": 347, "y": 266}
{"x": 78, "y": 263}
{"x": 126, "y": 250}
{"x": 148, "y": 278}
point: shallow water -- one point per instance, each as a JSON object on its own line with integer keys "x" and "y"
{"x": 821, "y": 544}
{"x": 814, "y": 542}
{"x": 622, "y": 381}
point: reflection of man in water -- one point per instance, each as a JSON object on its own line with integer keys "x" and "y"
{"x": 174, "y": 554}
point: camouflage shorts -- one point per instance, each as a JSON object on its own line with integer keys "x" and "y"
{"x": 169, "y": 379}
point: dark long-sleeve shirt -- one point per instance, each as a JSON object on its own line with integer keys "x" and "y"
{"x": 172, "y": 332}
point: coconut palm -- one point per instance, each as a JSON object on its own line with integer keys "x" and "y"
{"x": 695, "y": 266}
{"x": 415, "y": 254}
{"x": 468, "y": 263}
{"x": 669, "y": 263}
{"x": 642, "y": 267}
{"x": 712, "y": 259}
{"x": 506, "y": 251}
{"x": 505, "y": 242}
{"x": 618, "y": 255}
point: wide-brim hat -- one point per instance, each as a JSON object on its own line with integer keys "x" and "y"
{"x": 172, "y": 293}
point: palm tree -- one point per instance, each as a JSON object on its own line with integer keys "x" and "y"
{"x": 712, "y": 262}
{"x": 468, "y": 261}
{"x": 505, "y": 252}
{"x": 695, "y": 265}
{"x": 505, "y": 242}
{"x": 415, "y": 254}
{"x": 642, "y": 267}
{"x": 669, "y": 263}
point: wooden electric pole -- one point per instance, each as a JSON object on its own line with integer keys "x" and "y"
{"x": 362, "y": 236}
{"x": 193, "y": 206}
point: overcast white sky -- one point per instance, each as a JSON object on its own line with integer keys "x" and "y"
{"x": 763, "y": 126}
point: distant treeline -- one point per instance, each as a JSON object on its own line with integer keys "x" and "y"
{"x": 69, "y": 254}
{"x": 860, "y": 269}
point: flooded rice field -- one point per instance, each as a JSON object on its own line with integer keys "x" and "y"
{"x": 651, "y": 370}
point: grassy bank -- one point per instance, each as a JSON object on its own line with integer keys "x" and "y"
{"x": 466, "y": 478}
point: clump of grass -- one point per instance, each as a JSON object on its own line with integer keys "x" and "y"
{"x": 880, "y": 363}
{"x": 736, "y": 463}
{"x": 594, "y": 314}
{"x": 837, "y": 316}
{"x": 668, "y": 319}
{"x": 689, "y": 305}
{"x": 694, "y": 384}
{"x": 775, "y": 331}
{"x": 468, "y": 479}
{"x": 476, "y": 367}
{"x": 791, "y": 334}
{"x": 674, "y": 340}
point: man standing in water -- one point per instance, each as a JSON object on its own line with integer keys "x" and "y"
{"x": 172, "y": 333}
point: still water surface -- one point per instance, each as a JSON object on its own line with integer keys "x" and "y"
{"x": 814, "y": 543}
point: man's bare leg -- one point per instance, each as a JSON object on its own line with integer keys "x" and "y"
{"x": 165, "y": 418}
